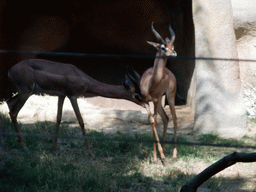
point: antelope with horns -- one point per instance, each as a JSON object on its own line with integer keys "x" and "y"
{"x": 35, "y": 76}
{"x": 151, "y": 86}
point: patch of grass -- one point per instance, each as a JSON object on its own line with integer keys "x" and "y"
{"x": 209, "y": 137}
{"x": 188, "y": 152}
{"x": 6, "y": 127}
{"x": 5, "y": 121}
{"x": 121, "y": 164}
{"x": 213, "y": 138}
{"x": 253, "y": 120}
{"x": 175, "y": 178}
{"x": 121, "y": 145}
{"x": 46, "y": 126}
{"x": 32, "y": 173}
{"x": 215, "y": 153}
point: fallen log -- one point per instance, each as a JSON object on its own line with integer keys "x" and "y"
{"x": 220, "y": 165}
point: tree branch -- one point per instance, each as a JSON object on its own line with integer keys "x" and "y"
{"x": 220, "y": 165}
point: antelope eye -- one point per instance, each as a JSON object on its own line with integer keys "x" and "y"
{"x": 163, "y": 48}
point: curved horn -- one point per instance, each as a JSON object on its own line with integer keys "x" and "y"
{"x": 156, "y": 33}
{"x": 172, "y": 33}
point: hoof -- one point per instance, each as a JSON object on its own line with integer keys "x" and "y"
{"x": 163, "y": 161}
{"x": 24, "y": 148}
{"x": 155, "y": 162}
{"x": 55, "y": 152}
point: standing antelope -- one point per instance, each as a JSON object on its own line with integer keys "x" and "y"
{"x": 154, "y": 82}
{"x": 35, "y": 76}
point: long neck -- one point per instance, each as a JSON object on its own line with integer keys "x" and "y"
{"x": 109, "y": 91}
{"x": 158, "y": 70}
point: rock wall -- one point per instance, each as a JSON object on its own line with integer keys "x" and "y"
{"x": 250, "y": 99}
{"x": 245, "y": 30}
{"x": 219, "y": 106}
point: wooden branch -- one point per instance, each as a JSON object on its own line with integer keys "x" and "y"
{"x": 220, "y": 165}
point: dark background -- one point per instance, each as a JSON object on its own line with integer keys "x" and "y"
{"x": 101, "y": 27}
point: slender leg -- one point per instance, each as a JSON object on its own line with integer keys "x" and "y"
{"x": 73, "y": 101}
{"x": 160, "y": 149}
{"x": 59, "y": 115}
{"x": 171, "y": 101}
{"x": 157, "y": 105}
{"x": 165, "y": 120}
{"x": 154, "y": 123}
{"x": 15, "y": 104}
{"x": 152, "y": 120}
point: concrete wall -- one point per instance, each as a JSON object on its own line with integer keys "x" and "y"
{"x": 219, "y": 106}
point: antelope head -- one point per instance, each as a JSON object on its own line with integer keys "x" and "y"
{"x": 131, "y": 83}
{"x": 165, "y": 47}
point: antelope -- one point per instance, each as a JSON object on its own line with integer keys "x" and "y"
{"x": 36, "y": 76}
{"x": 151, "y": 86}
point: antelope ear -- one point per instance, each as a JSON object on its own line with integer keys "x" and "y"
{"x": 127, "y": 82}
{"x": 137, "y": 97}
{"x": 156, "y": 45}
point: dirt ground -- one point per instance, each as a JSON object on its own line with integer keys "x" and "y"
{"x": 107, "y": 115}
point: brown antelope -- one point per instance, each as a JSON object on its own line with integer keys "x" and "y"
{"x": 35, "y": 76}
{"x": 154, "y": 82}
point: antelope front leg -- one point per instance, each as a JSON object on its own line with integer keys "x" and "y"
{"x": 73, "y": 101}
{"x": 172, "y": 108}
{"x": 165, "y": 120}
{"x": 152, "y": 120}
{"x": 175, "y": 152}
{"x": 59, "y": 115}
{"x": 17, "y": 129}
{"x": 160, "y": 149}
{"x": 15, "y": 104}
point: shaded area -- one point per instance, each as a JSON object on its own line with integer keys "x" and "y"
{"x": 119, "y": 165}
{"x": 119, "y": 115}
{"x": 117, "y": 27}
